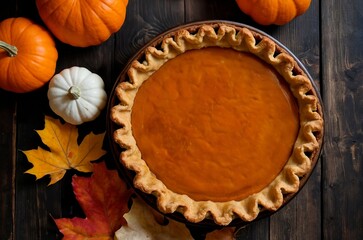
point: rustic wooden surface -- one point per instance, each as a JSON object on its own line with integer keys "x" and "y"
{"x": 327, "y": 39}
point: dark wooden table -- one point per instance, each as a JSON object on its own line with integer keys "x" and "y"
{"x": 328, "y": 39}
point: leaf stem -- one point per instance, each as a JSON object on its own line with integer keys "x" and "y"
{"x": 11, "y": 50}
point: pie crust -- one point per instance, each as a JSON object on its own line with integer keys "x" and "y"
{"x": 225, "y": 35}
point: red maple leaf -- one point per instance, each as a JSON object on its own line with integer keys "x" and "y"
{"x": 103, "y": 198}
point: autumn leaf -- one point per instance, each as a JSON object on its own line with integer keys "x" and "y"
{"x": 141, "y": 225}
{"x": 103, "y": 198}
{"x": 65, "y": 153}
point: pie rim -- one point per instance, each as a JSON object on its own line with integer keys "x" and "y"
{"x": 241, "y": 38}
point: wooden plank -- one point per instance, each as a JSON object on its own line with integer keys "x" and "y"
{"x": 144, "y": 21}
{"x": 7, "y": 162}
{"x": 342, "y": 65}
{"x": 301, "y": 218}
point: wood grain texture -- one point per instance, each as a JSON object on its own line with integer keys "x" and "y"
{"x": 342, "y": 58}
{"x": 7, "y": 163}
{"x": 144, "y": 21}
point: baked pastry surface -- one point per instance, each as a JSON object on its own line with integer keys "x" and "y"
{"x": 217, "y": 122}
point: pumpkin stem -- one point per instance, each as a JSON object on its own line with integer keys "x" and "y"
{"x": 12, "y": 50}
{"x": 75, "y": 92}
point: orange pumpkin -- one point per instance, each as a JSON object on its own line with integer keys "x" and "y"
{"x": 279, "y": 12}
{"x": 28, "y": 55}
{"x": 82, "y": 23}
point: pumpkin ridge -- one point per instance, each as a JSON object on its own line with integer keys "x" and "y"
{"x": 82, "y": 78}
{"x": 39, "y": 57}
{"x": 108, "y": 25}
{"x": 50, "y": 13}
{"x": 296, "y": 7}
{"x": 37, "y": 60}
{"x": 301, "y": 6}
{"x": 114, "y": 9}
{"x": 90, "y": 101}
{"x": 277, "y": 10}
{"x": 76, "y": 6}
{"x": 28, "y": 47}
{"x": 19, "y": 35}
{"x": 80, "y": 109}
{"x": 12, "y": 37}
{"x": 26, "y": 69}
{"x": 44, "y": 3}
{"x": 8, "y": 82}
{"x": 65, "y": 79}
{"x": 287, "y": 12}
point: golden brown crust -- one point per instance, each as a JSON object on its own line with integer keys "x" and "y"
{"x": 306, "y": 148}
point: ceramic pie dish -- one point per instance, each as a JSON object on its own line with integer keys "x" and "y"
{"x": 215, "y": 122}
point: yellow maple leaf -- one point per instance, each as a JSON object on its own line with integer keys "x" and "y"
{"x": 65, "y": 153}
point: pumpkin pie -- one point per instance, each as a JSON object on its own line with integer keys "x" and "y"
{"x": 217, "y": 121}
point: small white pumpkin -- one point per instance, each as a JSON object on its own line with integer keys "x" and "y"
{"x": 77, "y": 95}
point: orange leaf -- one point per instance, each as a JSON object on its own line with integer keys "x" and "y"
{"x": 103, "y": 198}
{"x": 64, "y": 152}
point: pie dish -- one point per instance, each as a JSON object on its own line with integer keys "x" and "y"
{"x": 217, "y": 121}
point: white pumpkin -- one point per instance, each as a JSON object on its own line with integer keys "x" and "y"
{"x": 77, "y": 95}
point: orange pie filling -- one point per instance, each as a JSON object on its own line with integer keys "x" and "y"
{"x": 215, "y": 124}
